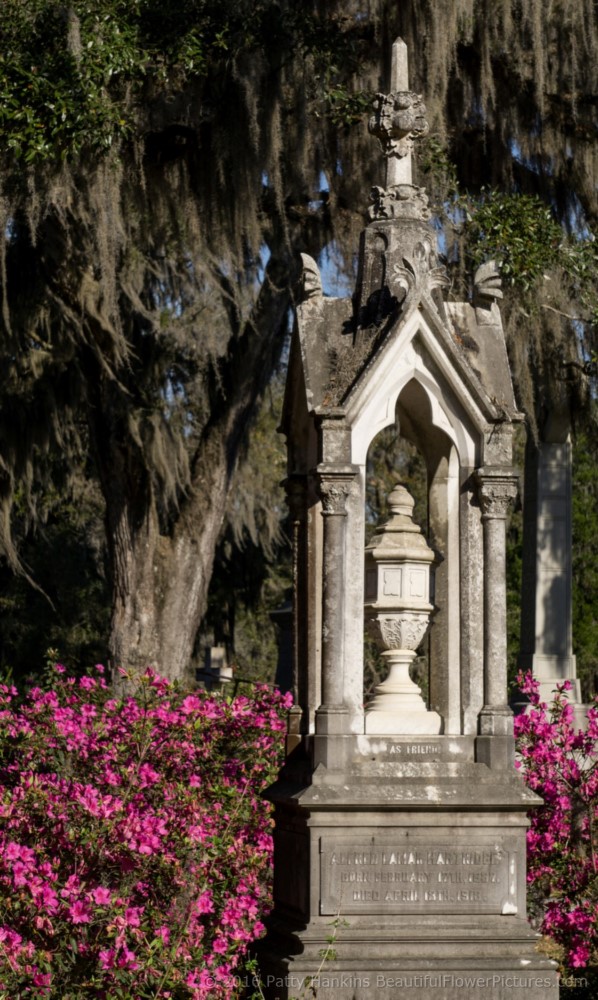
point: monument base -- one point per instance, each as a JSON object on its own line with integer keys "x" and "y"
{"x": 404, "y": 877}
{"x": 429, "y": 980}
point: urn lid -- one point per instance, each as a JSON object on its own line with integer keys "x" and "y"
{"x": 399, "y": 538}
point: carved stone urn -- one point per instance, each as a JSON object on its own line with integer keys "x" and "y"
{"x": 398, "y": 569}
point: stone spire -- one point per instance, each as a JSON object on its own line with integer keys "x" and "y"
{"x": 398, "y": 256}
{"x": 398, "y": 169}
{"x": 398, "y": 120}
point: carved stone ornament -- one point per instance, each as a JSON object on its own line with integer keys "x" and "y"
{"x": 311, "y": 280}
{"x": 496, "y": 494}
{"x": 487, "y": 291}
{"x": 421, "y": 270}
{"x": 397, "y": 614}
{"x": 333, "y": 493}
{"x": 397, "y": 121}
{"x": 399, "y": 201}
{"x": 399, "y": 631}
{"x": 487, "y": 282}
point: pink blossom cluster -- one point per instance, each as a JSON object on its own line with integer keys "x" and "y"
{"x": 135, "y": 849}
{"x": 559, "y": 762}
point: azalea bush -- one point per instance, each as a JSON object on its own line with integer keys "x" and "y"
{"x": 560, "y": 762}
{"x": 134, "y": 847}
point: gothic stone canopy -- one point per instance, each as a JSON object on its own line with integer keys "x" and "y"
{"x": 399, "y": 353}
{"x": 357, "y": 355}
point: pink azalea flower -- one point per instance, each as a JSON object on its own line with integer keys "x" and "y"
{"x": 163, "y": 933}
{"x": 172, "y": 796}
{"x": 101, "y": 896}
{"x": 191, "y": 704}
{"x": 133, "y": 915}
{"x": 80, "y": 912}
{"x": 107, "y": 958}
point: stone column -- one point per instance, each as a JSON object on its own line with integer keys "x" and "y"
{"x": 546, "y": 616}
{"x": 497, "y": 489}
{"x": 334, "y": 487}
{"x": 296, "y": 489}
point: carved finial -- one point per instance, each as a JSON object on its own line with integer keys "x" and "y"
{"x": 400, "y": 501}
{"x": 311, "y": 281}
{"x": 398, "y": 119}
{"x": 487, "y": 281}
{"x": 486, "y": 290}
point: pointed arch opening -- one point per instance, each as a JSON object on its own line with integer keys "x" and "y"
{"x": 416, "y": 451}
{"x": 393, "y": 459}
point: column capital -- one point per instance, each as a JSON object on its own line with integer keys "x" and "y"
{"x": 497, "y": 489}
{"x": 334, "y": 487}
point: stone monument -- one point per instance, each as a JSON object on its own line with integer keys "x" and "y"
{"x": 547, "y": 599}
{"x": 400, "y": 827}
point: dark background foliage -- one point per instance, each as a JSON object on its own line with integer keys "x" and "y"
{"x": 162, "y": 165}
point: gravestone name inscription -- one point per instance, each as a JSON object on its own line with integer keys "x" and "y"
{"x": 386, "y": 876}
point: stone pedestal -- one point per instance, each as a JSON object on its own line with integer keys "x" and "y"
{"x": 398, "y": 706}
{"x": 391, "y": 880}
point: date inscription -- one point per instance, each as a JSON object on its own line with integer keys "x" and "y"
{"x": 418, "y": 877}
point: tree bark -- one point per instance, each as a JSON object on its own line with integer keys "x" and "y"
{"x": 160, "y": 580}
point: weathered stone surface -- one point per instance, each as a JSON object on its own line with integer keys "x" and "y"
{"x": 405, "y": 893}
{"x": 398, "y": 120}
{"x": 546, "y": 622}
{"x": 484, "y": 346}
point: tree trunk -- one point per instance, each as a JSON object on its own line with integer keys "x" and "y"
{"x": 160, "y": 580}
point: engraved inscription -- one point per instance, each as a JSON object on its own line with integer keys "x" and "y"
{"x": 385, "y": 877}
{"x": 417, "y": 749}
